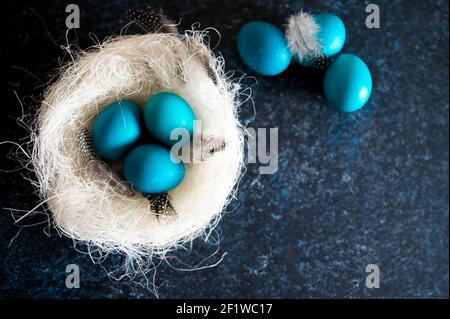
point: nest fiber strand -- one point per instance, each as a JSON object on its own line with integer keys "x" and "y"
{"x": 135, "y": 67}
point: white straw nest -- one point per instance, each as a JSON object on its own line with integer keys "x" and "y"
{"x": 135, "y": 67}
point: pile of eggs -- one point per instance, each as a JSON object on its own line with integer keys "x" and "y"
{"x": 119, "y": 134}
{"x": 347, "y": 83}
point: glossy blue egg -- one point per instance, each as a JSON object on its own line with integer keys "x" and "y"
{"x": 263, "y": 48}
{"x": 150, "y": 169}
{"x": 331, "y": 33}
{"x": 331, "y": 36}
{"x": 165, "y": 112}
{"x": 347, "y": 83}
{"x": 116, "y": 129}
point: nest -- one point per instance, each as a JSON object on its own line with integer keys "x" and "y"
{"x": 88, "y": 209}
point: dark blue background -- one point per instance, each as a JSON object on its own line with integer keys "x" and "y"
{"x": 351, "y": 189}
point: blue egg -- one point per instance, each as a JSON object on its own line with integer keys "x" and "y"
{"x": 165, "y": 112}
{"x": 263, "y": 48}
{"x": 347, "y": 83}
{"x": 331, "y": 36}
{"x": 150, "y": 169}
{"x": 116, "y": 129}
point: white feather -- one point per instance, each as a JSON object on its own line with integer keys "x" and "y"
{"x": 301, "y": 34}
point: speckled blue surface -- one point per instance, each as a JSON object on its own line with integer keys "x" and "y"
{"x": 351, "y": 189}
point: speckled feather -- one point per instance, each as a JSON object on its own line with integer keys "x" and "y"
{"x": 211, "y": 145}
{"x": 99, "y": 170}
{"x": 320, "y": 62}
{"x": 87, "y": 148}
{"x": 161, "y": 204}
{"x": 152, "y": 21}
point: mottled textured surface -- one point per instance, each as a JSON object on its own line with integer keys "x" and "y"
{"x": 369, "y": 187}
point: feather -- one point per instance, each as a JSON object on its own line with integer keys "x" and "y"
{"x": 99, "y": 170}
{"x": 204, "y": 57}
{"x": 211, "y": 145}
{"x": 161, "y": 204}
{"x": 152, "y": 21}
{"x": 301, "y": 34}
